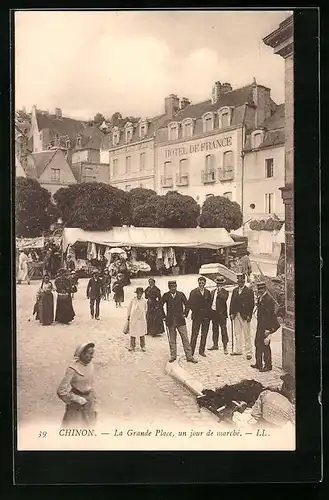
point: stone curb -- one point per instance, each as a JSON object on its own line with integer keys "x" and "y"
{"x": 192, "y": 384}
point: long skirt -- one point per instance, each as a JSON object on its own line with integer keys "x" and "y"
{"x": 64, "y": 309}
{"x": 119, "y": 296}
{"x": 46, "y": 308}
{"x": 81, "y": 416}
{"x": 154, "y": 320}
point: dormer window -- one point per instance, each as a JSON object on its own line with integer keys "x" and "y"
{"x": 187, "y": 127}
{"x": 116, "y": 136}
{"x": 173, "y": 131}
{"x": 143, "y": 127}
{"x": 225, "y": 115}
{"x": 257, "y": 138}
{"x": 129, "y": 131}
{"x": 208, "y": 122}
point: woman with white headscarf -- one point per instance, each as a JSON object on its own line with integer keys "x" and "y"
{"x": 76, "y": 389}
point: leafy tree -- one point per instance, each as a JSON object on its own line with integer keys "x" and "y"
{"x": 116, "y": 119}
{"x": 98, "y": 119}
{"x": 139, "y": 196}
{"x": 171, "y": 210}
{"x": 34, "y": 210}
{"x": 93, "y": 206}
{"x": 219, "y": 211}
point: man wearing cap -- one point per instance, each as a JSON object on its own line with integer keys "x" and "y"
{"x": 219, "y": 314}
{"x": 176, "y": 304}
{"x": 241, "y": 309}
{"x": 267, "y": 324}
{"x": 95, "y": 291}
{"x": 200, "y": 304}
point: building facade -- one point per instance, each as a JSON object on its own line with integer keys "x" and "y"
{"x": 263, "y": 169}
{"x": 199, "y": 150}
{"x": 282, "y": 41}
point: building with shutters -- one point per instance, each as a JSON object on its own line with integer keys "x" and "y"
{"x": 199, "y": 151}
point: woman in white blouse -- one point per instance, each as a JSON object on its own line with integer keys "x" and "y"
{"x": 76, "y": 389}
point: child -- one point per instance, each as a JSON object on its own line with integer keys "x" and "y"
{"x": 118, "y": 290}
{"x": 136, "y": 316}
{"x": 107, "y": 284}
{"x": 74, "y": 283}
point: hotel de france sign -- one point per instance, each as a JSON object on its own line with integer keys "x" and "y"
{"x": 199, "y": 147}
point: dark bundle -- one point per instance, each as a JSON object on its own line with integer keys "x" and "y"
{"x": 228, "y": 398}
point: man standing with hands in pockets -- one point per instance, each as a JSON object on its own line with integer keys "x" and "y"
{"x": 200, "y": 304}
{"x": 176, "y": 303}
{"x": 241, "y": 309}
{"x": 219, "y": 298}
{"x": 95, "y": 291}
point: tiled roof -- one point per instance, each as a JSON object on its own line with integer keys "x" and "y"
{"x": 234, "y": 98}
{"x": 42, "y": 159}
{"x": 91, "y": 138}
{"x": 62, "y": 126}
{"x": 276, "y": 120}
{"x": 153, "y": 124}
{"x": 274, "y": 130}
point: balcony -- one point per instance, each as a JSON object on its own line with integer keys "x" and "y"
{"x": 167, "y": 181}
{"x": 226, "y": 174}
{"x": 182, "y": 180}
{"x": 208, "y": 176}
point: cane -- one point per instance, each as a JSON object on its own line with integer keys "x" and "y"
{"x": 232, "y": 331}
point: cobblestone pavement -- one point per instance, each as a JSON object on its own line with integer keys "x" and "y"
{"x": 129, "y": 385}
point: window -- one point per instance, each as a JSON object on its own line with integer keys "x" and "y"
{"x": 129, "y": 135}
{"x": 173, "y": 131}
{"x": 78, "y": 142}
{"x": 142, "y": 160}
{"x": 187, "y": 128}
{"x": 225, "y": 119}
{"x": 269, "y": 164}
{"x": 209, "y": 164}
{"x": 228, "y": 195}
{"x": 257, "y": 139}
{"x": 116, "y": 136}
{"x": 227, "y": 172}
{"x": 55, "y": 174}
{"x": 182, "y": 177}
{"x": 115, "y": 167}
{"x": 167, "y": 169}
{"x": 269, "y": 203}
{"x": 142, "y": 131}
{"x": 67, "y": 144}
{"x": 167, "y": 178}
{"x": 128, "y": 164}
{"x": 208, "y": 124}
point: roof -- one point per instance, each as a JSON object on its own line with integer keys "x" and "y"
{"x": 153, "y": 124}
{"x": 62, "y": 126}
{"x": 42, "y": 159}
{"x": 234, "y": 98}
{"x": 151, "y": 237}
{"x": 274, "y": 130}
{"x": 91, "y": 138}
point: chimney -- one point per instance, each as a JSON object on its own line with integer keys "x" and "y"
{"x": 262, "y": 100}
{"x": 216, "y": 92}
{"x": 171, "y": 105}
{"x": 58, "y": 112}
{"x": 226, "y": 87}
{"x": 184, "y": 102}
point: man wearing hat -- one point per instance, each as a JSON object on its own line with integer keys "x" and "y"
{"x": 241, "y": 309}
{"x": 176, "y": 304}
{"x": 200, "y": 304}
{"x": 95, "y": 291}
{"x": 219, "y": 298}
{"x": 267, "y": 324}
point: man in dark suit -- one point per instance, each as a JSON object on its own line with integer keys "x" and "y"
{"x": 219, "y": 314}
{"x": 267, "y": 324}
{"x": 176, "y": 304}
{"x": 200, "y": 304}
{"x": 95, "y": 291}
{"x": 241, "y": 309}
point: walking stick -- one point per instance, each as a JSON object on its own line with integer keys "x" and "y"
{"x": 232, "y": 332}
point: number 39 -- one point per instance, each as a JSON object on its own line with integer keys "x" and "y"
{"x": 42, "y": 434}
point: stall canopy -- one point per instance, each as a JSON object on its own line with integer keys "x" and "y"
{"x": 151, "y": 237}
{"x": 30, "y": 243}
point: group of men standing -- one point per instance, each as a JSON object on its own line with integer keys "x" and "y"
{"x": 212, "y": 307}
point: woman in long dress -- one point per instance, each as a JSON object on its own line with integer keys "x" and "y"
{"x": 154, "y": 317}
{"x": 76, "y": 389}
{"x": 118, "y": 290}
{"x": 136, "y": 316}
{"x": 64, "y": 309}
{"x": 45, "y": 301}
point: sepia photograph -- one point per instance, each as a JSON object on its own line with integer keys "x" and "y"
{"x": 154, "y": 230}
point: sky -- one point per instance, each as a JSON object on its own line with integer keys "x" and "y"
{"x": 106, "y": 61}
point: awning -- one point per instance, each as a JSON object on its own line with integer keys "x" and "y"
{"x": 151, "y": 237}
{"x": 280, "y": 237}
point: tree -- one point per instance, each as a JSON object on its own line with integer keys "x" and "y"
{"x": 171, "y": 210}
{"x": 218, "y": 211}
{"x": 98, "y": 119}
{"x": 34, "y": 210}
{"x": 116, "y": 119}
{"x": 93, "y": 206}
{"x": 139, "y": 196}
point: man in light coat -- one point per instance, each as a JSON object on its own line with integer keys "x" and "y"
{"x": 241, "y": 309}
